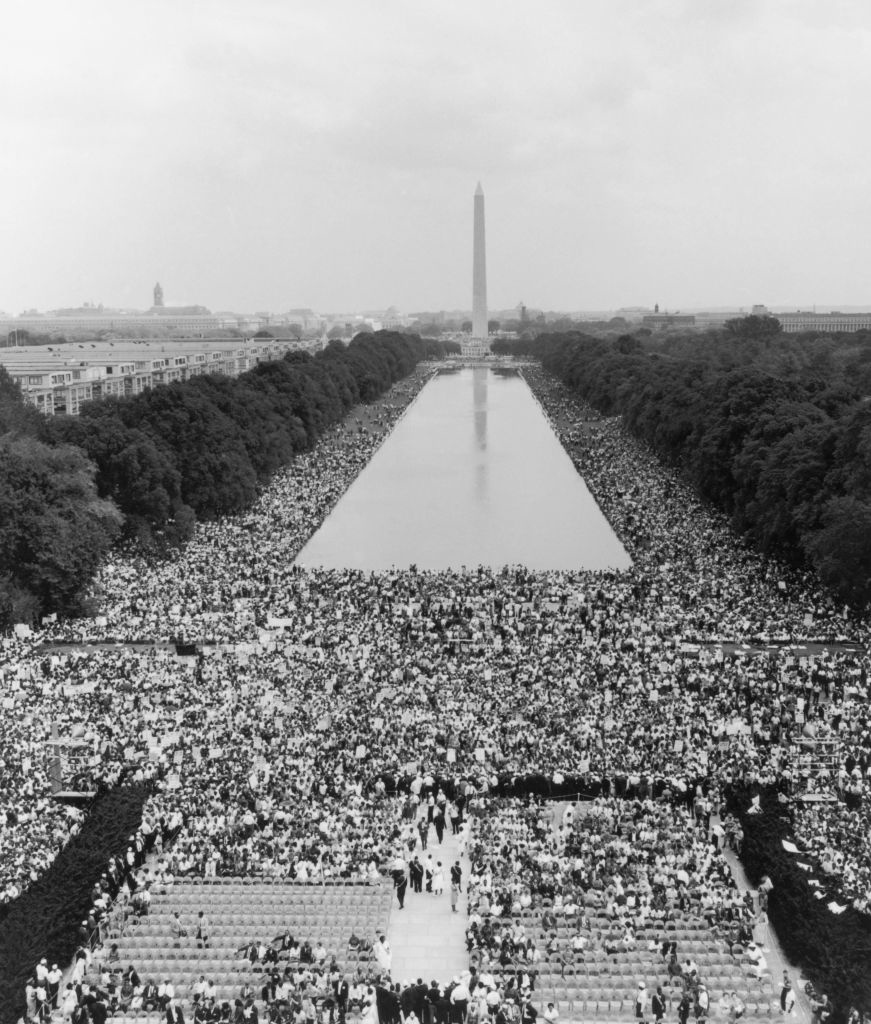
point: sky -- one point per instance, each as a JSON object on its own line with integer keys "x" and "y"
{"x": 324, "y": 153}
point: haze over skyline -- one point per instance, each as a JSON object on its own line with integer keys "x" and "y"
{"x": 273, "y": 155}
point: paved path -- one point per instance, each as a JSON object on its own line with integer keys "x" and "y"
{"x": 427, "y": 939}
{"x": 766, "y": 936}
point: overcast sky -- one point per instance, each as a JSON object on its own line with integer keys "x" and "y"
{"x": 265, "y": 155}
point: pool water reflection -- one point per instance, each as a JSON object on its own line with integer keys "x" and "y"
{"x": 471, "y": 475}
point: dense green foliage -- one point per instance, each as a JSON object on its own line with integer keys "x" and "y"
{"x": 43, "y": 921}
{"x": 54, "y": 528}
{"x": 834, "y": 950}
{"x": 788, "y": 457}
{"x": 150, "y": 465}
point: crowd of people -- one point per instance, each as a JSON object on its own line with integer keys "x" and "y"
{"x": 614, "y": 873}
{"x": 293, "y": 994}
{"x": 308, "y": 697}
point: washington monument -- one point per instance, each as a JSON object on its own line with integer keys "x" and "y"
{"x": 479, "y": 273}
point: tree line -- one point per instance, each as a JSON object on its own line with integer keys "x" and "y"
{"x": 834, "y": 949}
{"x": 43, "y": 921}
{"x": 786, "y": 456}
{"x": 145, "y": 468}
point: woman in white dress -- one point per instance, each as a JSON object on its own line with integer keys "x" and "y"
{"x": 438, "y": 879}
{"x": 382, "y": 952}
{"x": 369, "y": 1012}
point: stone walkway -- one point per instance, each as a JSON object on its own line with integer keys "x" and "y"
{"x": 427, "y": 939}
{"x": 777, "y": 962}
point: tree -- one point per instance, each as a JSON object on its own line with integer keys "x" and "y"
{"x": 841, "y": 551}
{"x": 216, "y": 474}
{"x": 14, "y": 414}
{"x": 627, "y": 344}
{"x": 754, "y": 327}
{"x": 492, "y": 326}
{"x": 54, "y": 528}
{"x": 134, "y": 471}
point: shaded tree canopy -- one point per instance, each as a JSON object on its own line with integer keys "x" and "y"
{"x": 758, "y": 328}
{"x": 148, "y": 466}
{"x": 54, "y": 527}
{"x": 786, "y": 455}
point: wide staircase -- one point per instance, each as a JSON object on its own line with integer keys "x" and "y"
{"x": 241, "y": 911}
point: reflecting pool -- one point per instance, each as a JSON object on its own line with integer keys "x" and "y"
{"x": 472, "y": 475}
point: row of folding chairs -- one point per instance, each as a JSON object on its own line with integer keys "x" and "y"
{"x": 239, "y": 881}
{"x": 227, "y": 955}
{"x": 168, "y": 907}
{"x": 193, "y": 906}
{"x": 287, "y": 913}
{"x": 314, "y": 894}
{"x": 278, "y": 922}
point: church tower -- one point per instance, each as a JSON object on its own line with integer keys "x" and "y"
{"x": 158, "y": 295}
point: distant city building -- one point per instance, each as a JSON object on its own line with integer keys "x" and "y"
{"x": 58, "y": 378}
{"x": 95, "y": 320}
{"x": 830, "y": 323}
{"x": 661, "y": 321}
{"x": 705, "y": 321}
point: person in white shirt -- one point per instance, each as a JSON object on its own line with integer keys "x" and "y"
{"x": 53, "y": 977}
{"x": 382, "y": 952}
{"x": 642, "y": 1001}
{"x": 757, "y": 958}
{"x": 165, "y": 993}
{"x": 460, "y": 997}
{"x": 69, "y": 1003}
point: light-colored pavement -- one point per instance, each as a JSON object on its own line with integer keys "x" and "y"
{"x": 427, "y": 938}
{"x": 766, "y": 936}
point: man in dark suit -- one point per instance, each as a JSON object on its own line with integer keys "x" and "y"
{"x": 400, "y": 884}
{"x": 420, "y": 1001}
{"x": 149, "y": 996}
{"x": 342, "y": 998}
{"x": 406, "y": 999}
{"x": 439, "y": 822}
{"x": 98, "y": 1011}
{"x": 432, "y": 998}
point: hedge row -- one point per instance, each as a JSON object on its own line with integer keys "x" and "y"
{"x": 833, "y": 950}
{"x": 43, "y": 921}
